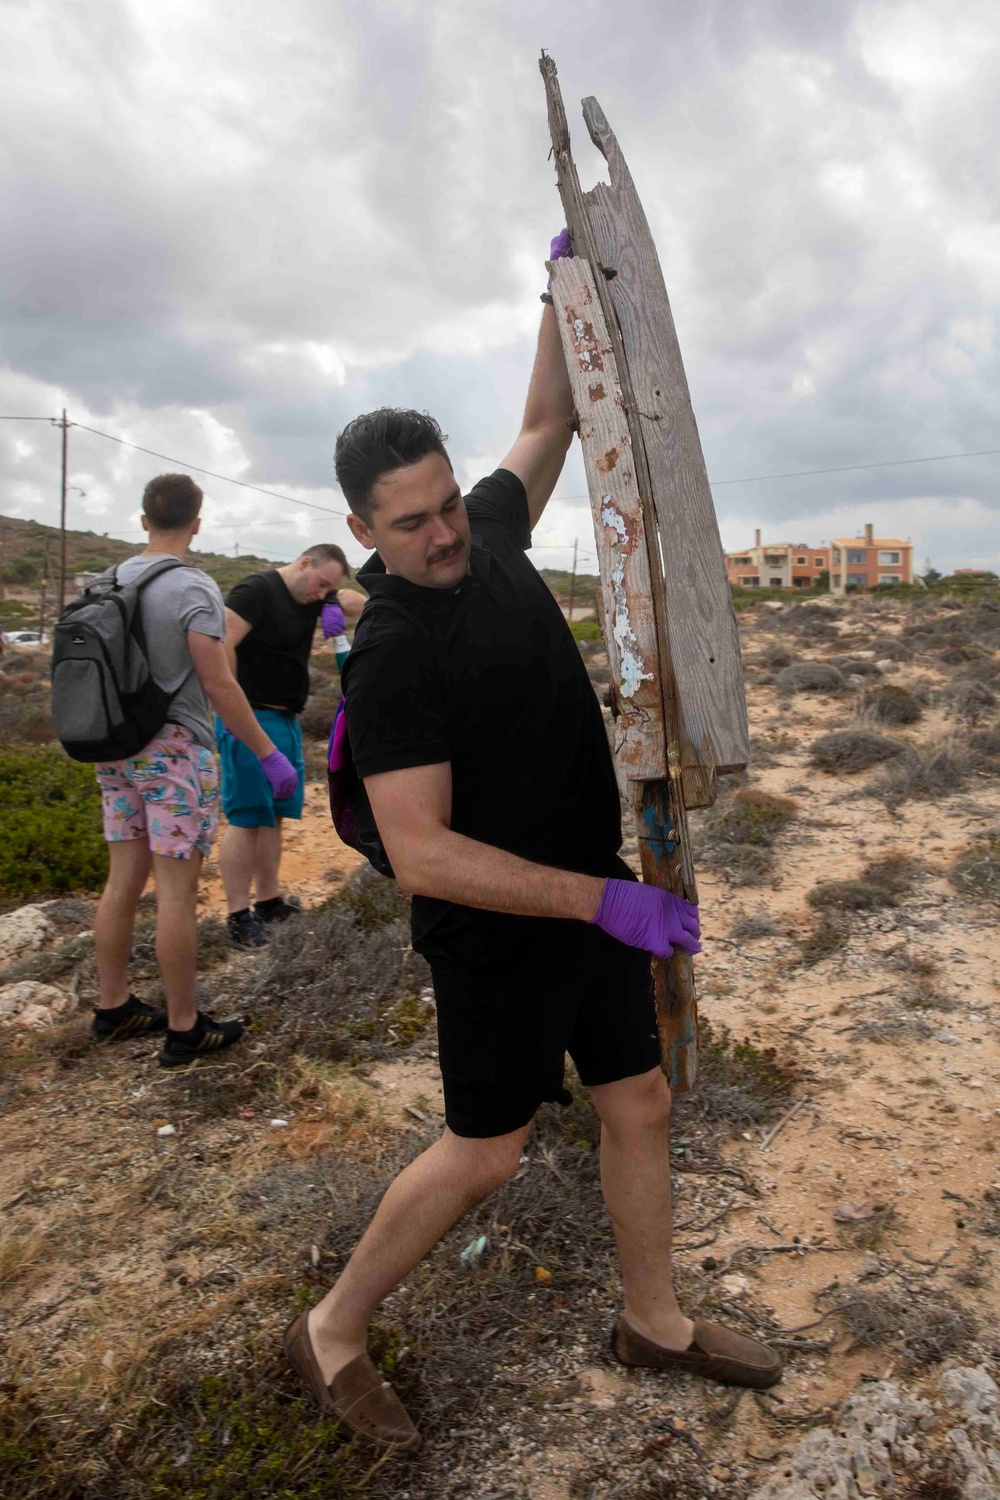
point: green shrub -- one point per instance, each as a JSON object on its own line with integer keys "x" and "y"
{"x": 50, "y": 812}
{"x": 585, "y": 630}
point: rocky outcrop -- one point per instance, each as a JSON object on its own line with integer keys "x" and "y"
{"x": 22, "y": 932}
{"x": 881, "y": 1435}
{"x": 31, "y": 1005}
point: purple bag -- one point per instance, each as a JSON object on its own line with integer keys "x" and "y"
{"x": 350, "y": 808}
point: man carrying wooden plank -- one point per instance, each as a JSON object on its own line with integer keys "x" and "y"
{"x": 483, "y": 751}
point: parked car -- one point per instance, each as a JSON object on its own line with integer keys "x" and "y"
{"x": 25, "y": 638}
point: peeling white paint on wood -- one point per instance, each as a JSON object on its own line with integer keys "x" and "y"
{"x": 630, "y": 662}
{"x": 629, "y": 624}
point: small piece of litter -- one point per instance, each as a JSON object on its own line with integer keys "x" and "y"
{"x": 279, "y": 1124}
{"x": 473, "y": 1250}
{"x": 542, "y": 1277}
{"x": 857, "y": 1213}
{"x": 166, "y": 1130}
{"x": 314, "y": 1254}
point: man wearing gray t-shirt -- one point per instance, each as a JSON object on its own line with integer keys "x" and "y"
{"x": 161, "y": 806}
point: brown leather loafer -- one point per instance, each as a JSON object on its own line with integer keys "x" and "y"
{"x": 714, "y": 1352}
{"x": 357, "y": 1395}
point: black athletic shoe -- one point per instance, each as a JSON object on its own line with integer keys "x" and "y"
{"x": 205, "y": 1038}
{"x": 277, "y": 909}
{"x": 246, "y": 930}
{"x": 132, "y": 1019}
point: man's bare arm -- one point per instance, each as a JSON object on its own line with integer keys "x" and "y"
{"x": 236, "y": 629}
{"x": 413, "y": 810}
{"x": 539, "y": 453}
{"x": 211, "y": 665}
{"x": 351, "y": 602}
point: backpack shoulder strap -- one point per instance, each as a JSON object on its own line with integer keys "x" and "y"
{"x": 165, "y": 565}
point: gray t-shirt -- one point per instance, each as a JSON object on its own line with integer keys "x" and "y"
{"x": 182, "y": 599}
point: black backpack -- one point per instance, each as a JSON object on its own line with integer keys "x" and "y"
{"x": 105, "y": 704}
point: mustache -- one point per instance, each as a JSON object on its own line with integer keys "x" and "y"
{"x": 446, "y": 552}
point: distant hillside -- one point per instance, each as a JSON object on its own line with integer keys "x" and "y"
{"x": 23, "y": 545}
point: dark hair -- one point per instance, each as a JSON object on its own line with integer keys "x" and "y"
{"x": 325, "y": 552}
{"x": 171, "y": 501}
{"x": 377, "y": 443}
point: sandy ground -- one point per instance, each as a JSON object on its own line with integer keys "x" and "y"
{"x": 908, "y": 1123}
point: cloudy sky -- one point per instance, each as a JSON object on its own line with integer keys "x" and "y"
{"x": 229, "y": 227}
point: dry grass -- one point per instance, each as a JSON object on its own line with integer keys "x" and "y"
{"x": 24, "y": 1257}
{"x": 927, "y": 773}
{"x": 969, "y": 702}
{"x": 737, "y": 836}
{"x": 976, "y": 871}
{"x": 930, "y": 1325}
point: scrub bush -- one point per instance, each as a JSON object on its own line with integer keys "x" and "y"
{"x": 810, "y": 677}
{"x": 849, "y": 895}
{"x": 892, "y": 705}
{"x": 50, "y": 812}
{"x": 585, "y": 630}
{"x": 850, "y": 750}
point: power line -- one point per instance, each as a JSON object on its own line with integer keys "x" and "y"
{"x": 226, "y": 478}
{"x": 888, "y": 463}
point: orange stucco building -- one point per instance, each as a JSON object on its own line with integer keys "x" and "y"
{"x": 854, "y": 562}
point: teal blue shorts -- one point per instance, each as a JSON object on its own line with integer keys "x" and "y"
{"x": 247, "y": 800}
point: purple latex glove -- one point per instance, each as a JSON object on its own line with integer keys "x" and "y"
{"x": 646, "y": 917}
{"x": 560, "y": 249}
{"x": 332, "y": 619}
{"x": 282, "y": 776}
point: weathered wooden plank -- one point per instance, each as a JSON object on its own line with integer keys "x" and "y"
{"x": 665, "y": 855}
{"x": 631, "y": 640}
{"x": 704, "y": 639}
{"x": 629, "y": 627}
{"x": 704, "y": 703}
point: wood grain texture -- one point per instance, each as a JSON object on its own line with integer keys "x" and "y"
{"x": 619, "y": 532}
{"x": 703, "y": 634}
{"x": 659, "y": 804}
{"x": 665, "y": 855}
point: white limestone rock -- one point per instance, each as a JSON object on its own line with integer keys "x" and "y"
{"x": 32, "y": 1005}
{"x": 22, "y": 932}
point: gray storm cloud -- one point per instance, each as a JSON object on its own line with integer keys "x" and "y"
{"x": 228, "y": 230}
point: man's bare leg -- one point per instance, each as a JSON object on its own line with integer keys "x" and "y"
{"x": 266, "y": 862}
{"x": 635, "y": 1177}
{"x": 421, "y": 1205}
{"x": 237, "y": 858}
{"x": 177, "y": 934}
{"x": 129, "y": 865}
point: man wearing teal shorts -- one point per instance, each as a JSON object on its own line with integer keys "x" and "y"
{"x": 270, "y": 622}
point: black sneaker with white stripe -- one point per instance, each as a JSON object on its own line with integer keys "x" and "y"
{"x": 131, "y": 1019}
{"x": 205, "y": 1038}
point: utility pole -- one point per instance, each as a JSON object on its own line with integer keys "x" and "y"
{"x": 62, "y": 518}
{"x": 572, "y": 580}
{"x": 45, "y": 584}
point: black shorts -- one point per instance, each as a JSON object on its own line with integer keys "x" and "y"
{"x": 505, "y": 1026}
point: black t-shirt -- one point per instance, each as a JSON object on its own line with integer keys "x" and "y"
{"x": 272, "y": 661}
{"x": 487, "y": 676}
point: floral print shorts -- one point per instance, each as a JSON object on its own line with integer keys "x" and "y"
{"x": 168, "y": 794}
